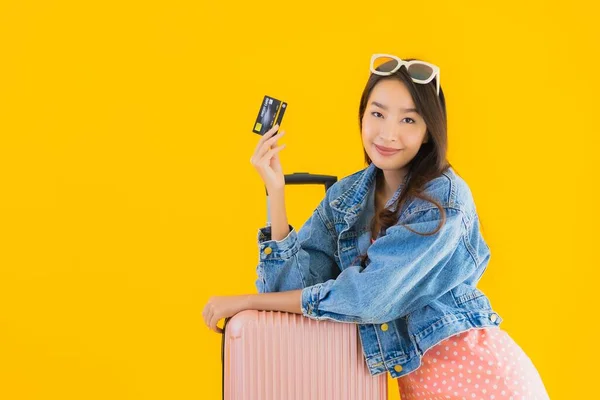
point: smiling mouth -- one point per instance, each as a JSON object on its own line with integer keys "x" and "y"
{"x": 386, "y": 149}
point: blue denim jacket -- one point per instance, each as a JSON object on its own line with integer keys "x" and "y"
{"x": 415, "y": 290}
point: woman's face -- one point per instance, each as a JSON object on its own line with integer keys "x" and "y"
{"x": 392, "y": 131}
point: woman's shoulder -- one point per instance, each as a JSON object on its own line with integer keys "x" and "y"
{"x": 450, "y": 190}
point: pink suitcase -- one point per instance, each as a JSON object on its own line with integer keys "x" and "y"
{"x": 270, "y": 355}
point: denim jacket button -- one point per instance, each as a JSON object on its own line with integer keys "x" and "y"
{"x": 398, "y": 368}
{"x": 384, "y": 327}
{"x": 268, "y": 250}
{"x": 493, "y": 317}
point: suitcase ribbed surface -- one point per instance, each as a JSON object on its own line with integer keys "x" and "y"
{"x": 285, "y": 356}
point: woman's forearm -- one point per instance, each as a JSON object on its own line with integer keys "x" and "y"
{"x": 290, "y": 301}
{"x": 279, "y": 222}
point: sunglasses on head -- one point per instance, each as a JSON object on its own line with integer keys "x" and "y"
{"x": 420, "y": 71}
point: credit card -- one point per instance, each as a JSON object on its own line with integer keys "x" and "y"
{"x": 270, "y": 113}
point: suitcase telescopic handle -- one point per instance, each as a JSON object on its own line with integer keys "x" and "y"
{"x": 297, "y": 178}
{"x": 305, "y": 178}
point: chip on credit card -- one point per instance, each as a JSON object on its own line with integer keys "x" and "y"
{"x": 270, "y": 113}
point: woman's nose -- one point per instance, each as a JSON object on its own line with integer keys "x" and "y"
{"x": 390, "y": 133}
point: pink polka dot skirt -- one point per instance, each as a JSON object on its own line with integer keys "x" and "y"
{"x": 476, "y": 364}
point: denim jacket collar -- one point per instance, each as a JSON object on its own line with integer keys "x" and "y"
{"x": 352, "y": 201}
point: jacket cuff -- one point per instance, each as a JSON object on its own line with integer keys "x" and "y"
{"x": 277, "y": 249}
{"x": 310, "y": 301}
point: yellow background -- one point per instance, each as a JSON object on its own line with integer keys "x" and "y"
{"x": 127, "y": 197}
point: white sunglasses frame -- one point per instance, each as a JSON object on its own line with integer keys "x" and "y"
{"x": 434, "y": 68}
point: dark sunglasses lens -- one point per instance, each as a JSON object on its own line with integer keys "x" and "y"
{"x": 420, "y": 71}
{"x": 384, "y": 64}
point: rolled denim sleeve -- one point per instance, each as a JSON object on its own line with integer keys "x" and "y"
{"x": 301, "y": 259}
{"x": 406, "y": 271}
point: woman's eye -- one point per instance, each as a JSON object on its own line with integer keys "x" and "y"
{"x": 377, "y": 114}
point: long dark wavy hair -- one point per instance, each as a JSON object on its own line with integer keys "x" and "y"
{"x": 429, "y": 162}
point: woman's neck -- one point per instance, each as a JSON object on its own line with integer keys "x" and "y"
{"x": 388, "y": 183}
